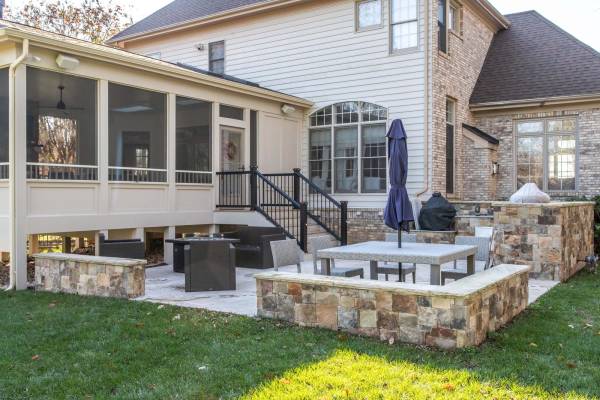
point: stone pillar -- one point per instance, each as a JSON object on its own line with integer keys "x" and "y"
{"x": 170, "y": 233}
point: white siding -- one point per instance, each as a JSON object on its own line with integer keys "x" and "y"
{"x": 314, "y": 52}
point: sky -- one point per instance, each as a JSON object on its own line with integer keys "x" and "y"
{"x": 578, "y": 17}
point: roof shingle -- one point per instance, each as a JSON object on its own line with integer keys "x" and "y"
{"x": 535, "y": 59}
{"x": 179, "y": 12}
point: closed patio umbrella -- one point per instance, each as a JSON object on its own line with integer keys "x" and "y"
{"x": 398, "y": 212}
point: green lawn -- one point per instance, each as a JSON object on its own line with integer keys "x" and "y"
{"x": 67, "y": 347}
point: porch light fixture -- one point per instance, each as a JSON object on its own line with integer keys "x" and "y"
{"x": 67, "y": 62}
{"x": 287, "y": 109}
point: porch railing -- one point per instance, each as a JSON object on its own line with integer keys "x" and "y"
{"x": 287, "y": 200}
{"x": 137, "y": 175}
{"x": 322, "y": 208}
{"x": 253, "y": 190}
{"x": 193, "y": 177}
{"x": 4, "y": 171}
{"x": 64, "y": 172}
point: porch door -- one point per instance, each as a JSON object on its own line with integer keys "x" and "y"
{"x": 234, "y": 187}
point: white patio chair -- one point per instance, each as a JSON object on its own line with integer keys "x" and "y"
{"x": 482, "y": 255}
{"x": 327, "y": 242}
{"x": 488, "y": 232}
{"x": 286, "y": 252}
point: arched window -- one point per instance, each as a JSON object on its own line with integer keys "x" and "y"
{"x": 348, "y": 148}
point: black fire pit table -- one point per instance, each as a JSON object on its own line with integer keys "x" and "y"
{"x": 208, "y": 263}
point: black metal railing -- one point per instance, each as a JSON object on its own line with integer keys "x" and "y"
{"x": 287, "y": 200}
{"x": 253, "y": 190}
{"x": 322, "y": 208}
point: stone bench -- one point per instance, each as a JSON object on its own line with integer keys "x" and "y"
{"x": 90, "y": 276}
{"x": 454, "y": 316}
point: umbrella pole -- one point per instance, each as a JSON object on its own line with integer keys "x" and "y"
{"x": 400, "y": 246}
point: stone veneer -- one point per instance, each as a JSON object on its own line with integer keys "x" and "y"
{"x": 553, "y": 238}
{"x": 458, "y": 315}
{"x": 90, "y": 276}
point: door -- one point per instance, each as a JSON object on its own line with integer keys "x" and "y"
{"x": 234, "y": 183}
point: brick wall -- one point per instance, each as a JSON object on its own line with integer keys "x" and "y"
{"x": 501, "y": 126}
{"x": 455, "y": 75}
{"x": 479, "y": 183}
{"x": 460, "y": 314}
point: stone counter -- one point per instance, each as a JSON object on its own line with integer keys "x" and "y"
{"x": 457, "y": 315}
{"x": 90, "y": 276}
{"x": 554, "y": 238}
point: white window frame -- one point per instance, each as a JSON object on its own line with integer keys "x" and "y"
{"x": 210, "y": 60}
{"x": 392, "y": 24}
{"x": 357, "y": 25}
{"x": 359, "y": 156}
{"x": 545, "y": 135}
{"x": 458, "y": 18}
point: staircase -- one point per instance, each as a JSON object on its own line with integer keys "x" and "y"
{"x": 287, "y": 200}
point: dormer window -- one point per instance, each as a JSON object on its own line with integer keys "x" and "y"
{"x": 369, "y": 14}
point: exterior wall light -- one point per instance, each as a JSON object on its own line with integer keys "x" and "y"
{"x": 495, "y": 168}
{"x": 67, "y": 62}
{"x": 287, "y": 109}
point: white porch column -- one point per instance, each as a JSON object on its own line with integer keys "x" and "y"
{"x": 139, "y": 233}
{"x": 103, "y": 148}
{"x": 18, "y": 248}
{"x": 97, "y": 240}
{"x": 170, "y": 233}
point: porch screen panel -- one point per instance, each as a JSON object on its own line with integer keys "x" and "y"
{"x": 3, "y": 119}
{"x": 194, "y": 141}
{"x": 346, "y": 159}
{"x": 320, "y": 158}
{"x": 61, "y": 126}
{"x": 137, "y": 134}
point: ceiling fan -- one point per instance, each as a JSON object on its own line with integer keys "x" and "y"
{"x": 61, "y": 105}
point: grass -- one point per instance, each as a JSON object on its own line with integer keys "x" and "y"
{"x": 68, "y": 347}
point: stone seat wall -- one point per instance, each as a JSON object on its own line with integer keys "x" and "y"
{"x": 457, "y": 315}
{"x": 90, "y": 276}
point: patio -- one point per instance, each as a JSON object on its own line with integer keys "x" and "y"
{"x": 166, "y": 287}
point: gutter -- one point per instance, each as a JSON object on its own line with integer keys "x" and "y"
{"x": 540, "y": 102}
{"x": 494, "y": 13}
{"x": 12, "y": 134}
{"x": 426, "y": 102}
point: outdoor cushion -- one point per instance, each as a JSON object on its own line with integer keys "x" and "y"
{"x": 530, "y": 193}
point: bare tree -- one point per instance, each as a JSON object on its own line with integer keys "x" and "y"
{"x": 92, "y": 20}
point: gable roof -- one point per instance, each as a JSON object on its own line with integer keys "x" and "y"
{"x": 535, "y": 59}
{"x": 478, "y": 132}
{"x": 181, "y": 11}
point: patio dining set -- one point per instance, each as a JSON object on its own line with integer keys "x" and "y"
{"x": 446, "y": 261}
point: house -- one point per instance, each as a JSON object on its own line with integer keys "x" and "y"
{"x": 489, "y": 101}
{"x": 301, "y": 94}
{"x": 96, "y": 140}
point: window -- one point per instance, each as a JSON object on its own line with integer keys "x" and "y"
{"x": 137, "y": 135}
{"x": 404, "y": 24}
{"x": 547, "y": 154}
{"x": 4, "y": 123}
{"x": 61, "y": 126}
{"x": 356, "y": 132}
{"x": 194, "y": 141}
{"x": 231, "y": 112}
{"x": 368, "y": 14}
{"x": 442, "y": 26}
{"x": 216, "y": 57}
{"x": 450, "y": 133}
{"x": 454, "y": 19}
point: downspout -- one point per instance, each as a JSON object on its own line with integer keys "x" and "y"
{"x": 12, "y": 134}
{"x": 427, "y": 97}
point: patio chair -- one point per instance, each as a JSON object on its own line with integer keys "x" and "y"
{"x": 482, "y": 255}
{"x": 286, "y": 252}
{"x": 487, "y": 232}
{"x": 327, "y": 242}
{"x": 394, "y": 270}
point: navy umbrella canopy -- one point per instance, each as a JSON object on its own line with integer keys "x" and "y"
{"x": 398, "y": 212}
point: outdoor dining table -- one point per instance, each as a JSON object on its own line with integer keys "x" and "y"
{"x": 411, "y": 253}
